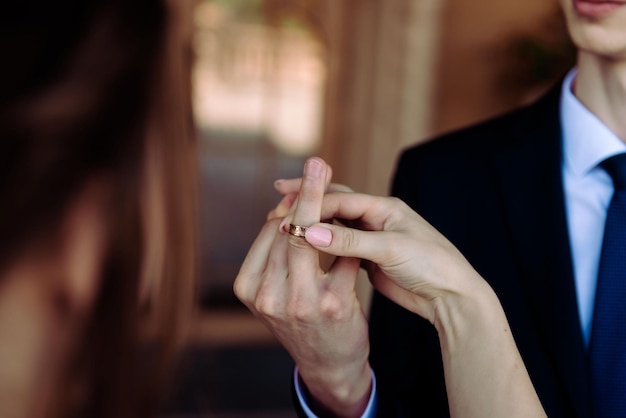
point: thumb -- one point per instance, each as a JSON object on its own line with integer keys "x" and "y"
{"x": 342, "y": 241}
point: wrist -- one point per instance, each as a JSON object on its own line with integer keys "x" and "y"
{"x": 465, "y": 314}
{"x": 476, "y": 342}
{"x": 337, "y": 393}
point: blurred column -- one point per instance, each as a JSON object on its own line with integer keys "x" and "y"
{"x": 381, "y": 60}
{"x": 382, "y": 56}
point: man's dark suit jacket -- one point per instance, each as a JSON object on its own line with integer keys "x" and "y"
{"x": 495, "y": 190}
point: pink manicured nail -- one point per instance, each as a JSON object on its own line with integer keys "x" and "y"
{"x": 313, "y": 168}
{"x": 320, "y": 236}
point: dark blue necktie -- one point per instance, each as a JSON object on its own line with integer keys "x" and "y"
{"x": 607, "y": 349}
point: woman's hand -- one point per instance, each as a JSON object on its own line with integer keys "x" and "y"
{"x": 418, "y": 268}
{"x": 406, "y": 258}
{"x": 314, "y": 313}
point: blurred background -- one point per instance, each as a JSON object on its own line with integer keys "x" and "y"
{"x": 354, "y": 81}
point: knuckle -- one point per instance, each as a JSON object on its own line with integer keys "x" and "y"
{"x": 326, "y": 309}
{"x": 300, "y": 312}
{"x": 331, "y": 308}
{"x": 269, "y": 303}
{"x": 240, "y": 288}
{"x": 348, "y": 239}
{"x": 266, "y": 306}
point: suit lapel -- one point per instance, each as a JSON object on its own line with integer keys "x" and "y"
{"x": 535, "y": 202}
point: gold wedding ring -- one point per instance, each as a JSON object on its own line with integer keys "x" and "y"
{"x": 297, "y": 230}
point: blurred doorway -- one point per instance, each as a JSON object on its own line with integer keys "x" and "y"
{"x": 257, "y": 93}
{"x": 258, "y": 96}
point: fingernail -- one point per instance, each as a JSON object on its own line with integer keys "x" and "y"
{"x": 313, "y": 168}
{"x": 277, "y": 183}
{"x": 320, "y": 236}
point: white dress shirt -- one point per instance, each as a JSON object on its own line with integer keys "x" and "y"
{"x": 588, "y": 190}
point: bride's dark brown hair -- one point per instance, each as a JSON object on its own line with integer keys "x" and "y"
{"x": 101, "y": 88}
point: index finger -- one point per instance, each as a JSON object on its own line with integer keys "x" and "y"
{"x": 289, "y": 188}
{"x": 301, "y": 256}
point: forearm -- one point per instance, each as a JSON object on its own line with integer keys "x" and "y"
{"x": 485, "y": 374}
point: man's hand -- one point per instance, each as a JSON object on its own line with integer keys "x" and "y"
{"x": 315, "y": 314}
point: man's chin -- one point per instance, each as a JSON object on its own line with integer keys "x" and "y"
{"x": 605, "y": 43}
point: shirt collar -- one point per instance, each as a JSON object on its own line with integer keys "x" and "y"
{"x": 586, "y": 140}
